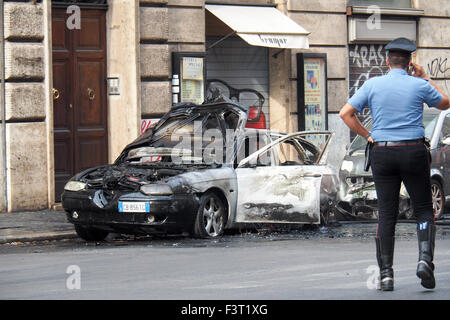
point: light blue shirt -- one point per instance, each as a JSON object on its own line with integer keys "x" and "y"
{"x": 396, "y": 104}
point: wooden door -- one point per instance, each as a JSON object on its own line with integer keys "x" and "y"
{"x": 79, "y": 95}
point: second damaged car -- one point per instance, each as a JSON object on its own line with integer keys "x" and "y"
{"x": 200, "y": 171}
{"x": 357, "y": 195}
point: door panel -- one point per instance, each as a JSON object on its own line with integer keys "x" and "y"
{"x": 89, "y": 94}
{"x": 62, "y": 95}
{"x": 88, "y": 154}
{"x": 80, "y": 110}
{"x": 279, "y": 194}
{"x": 60, "y": 38}
{"x": 281, "y": 182}
{"x": 92, "y": 40}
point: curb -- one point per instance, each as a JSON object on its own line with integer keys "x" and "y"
{"x": 39, "y": 236}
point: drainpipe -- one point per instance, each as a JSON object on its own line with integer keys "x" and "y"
{"x": 2, "y": 103}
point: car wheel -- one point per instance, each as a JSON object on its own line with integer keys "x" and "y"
{"x": 437, "y": 196}
{"x": 409, "y": 214}
{"x": 210, "y": 220}
{"x": 406, "y": 208}
{"x": 90, "y": 233}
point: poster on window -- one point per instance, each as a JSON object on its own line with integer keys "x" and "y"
{"x": 314, "y": 95}
{"x": 315, "y": 98}
{"x": 192, "y": 86}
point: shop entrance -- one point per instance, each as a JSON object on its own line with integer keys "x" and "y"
{"x": 79, "y": 93}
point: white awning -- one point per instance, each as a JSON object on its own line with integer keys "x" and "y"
{"x": 262, "y": 26}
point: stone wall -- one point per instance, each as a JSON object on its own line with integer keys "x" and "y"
{"x": 3, "y": 197}
{"x": 26, "y": 105}
{"x": 166, "y": 26}
{"x": 434, "y": 41}
{"x": 327, "y": 22}
{"x": 124, "y": 111}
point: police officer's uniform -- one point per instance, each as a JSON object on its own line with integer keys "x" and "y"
{"x": 399, "y": 154}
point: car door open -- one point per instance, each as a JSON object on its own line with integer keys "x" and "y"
{"x": 281, "y": 182}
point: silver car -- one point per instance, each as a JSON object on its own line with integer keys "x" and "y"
{"x": 201, "y": 171}
{"x": 357, "y": 195}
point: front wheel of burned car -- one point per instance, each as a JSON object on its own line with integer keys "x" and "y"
{"x": 211, "y": 216}
{"x": 90, "y": 233}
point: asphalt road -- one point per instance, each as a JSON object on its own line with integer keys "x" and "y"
{"x": 327, "y": 263}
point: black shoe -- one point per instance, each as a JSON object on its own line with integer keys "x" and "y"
{"x": 426, "y": 234}
{"x": 387, "y": 279}
{"x": 385, "y": 257}
{"x": 425, "y": 271}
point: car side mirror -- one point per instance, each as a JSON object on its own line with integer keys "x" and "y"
{"x": 247, "y": 164}
{"x": 250, "y": 165}
{"x": 446, "y": 141}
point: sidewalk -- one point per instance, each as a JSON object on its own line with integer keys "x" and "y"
{"x": 35, "y": 225}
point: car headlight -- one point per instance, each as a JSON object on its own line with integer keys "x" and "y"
{"x": 75, "y": 186}
{"x": 156, "y": 189}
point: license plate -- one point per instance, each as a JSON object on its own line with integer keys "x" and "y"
{"x": 134, "y": 207}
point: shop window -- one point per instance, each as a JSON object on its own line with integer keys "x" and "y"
{"x": 239, "y": 72}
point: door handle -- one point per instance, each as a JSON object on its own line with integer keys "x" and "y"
{"x": 91, "y": 94}
{"x": 312, "y": 175}
{"x": 55, "y": 94}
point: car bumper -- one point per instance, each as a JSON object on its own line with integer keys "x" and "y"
{"x": 174, "y": 213}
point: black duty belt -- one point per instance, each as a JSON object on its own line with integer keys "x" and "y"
{"x": 398, "y": 143}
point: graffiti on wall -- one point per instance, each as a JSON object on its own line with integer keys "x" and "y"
{"x": 366, "y": 61}
{"x": 437, "y": 68}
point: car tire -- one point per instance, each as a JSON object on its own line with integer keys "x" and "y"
{"x": 437, "y": 196}
{"x": 406, "y": 209}
{"x": 211, "y": 217}
{"x": 90, "y": 233}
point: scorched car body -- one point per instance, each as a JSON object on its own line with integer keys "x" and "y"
{"x": 170, "y": 180}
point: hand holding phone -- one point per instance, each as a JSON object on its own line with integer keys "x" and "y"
{"x": 418, "y": 71}
{"x": 411, "y": 70}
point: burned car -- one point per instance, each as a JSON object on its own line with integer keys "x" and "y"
{"x": 200, "y": 171}
{"x": 357, "y": 195}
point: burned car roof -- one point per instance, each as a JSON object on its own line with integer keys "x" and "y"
{"x": 221, "y": 114}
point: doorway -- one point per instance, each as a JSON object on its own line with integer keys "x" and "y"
{"x": 79, "y": 94}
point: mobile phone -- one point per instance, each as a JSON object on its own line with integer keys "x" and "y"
{"x": 411, "y": 70}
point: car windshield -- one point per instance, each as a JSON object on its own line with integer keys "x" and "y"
{"x": 189, "y": 138}
{"x": 429, "y": 122}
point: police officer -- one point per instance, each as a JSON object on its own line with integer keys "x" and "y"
{"x": 399, "y": 153}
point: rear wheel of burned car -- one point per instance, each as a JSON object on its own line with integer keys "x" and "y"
{"x": 90, "y": 233}
{"x": 211, "y": 216}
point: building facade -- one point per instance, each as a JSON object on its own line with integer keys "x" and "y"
{"x": 81, "y": 79}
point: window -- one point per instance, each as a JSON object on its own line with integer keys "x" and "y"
{"x": 252, "y": 143}
{"x": 446, "y": 127}
{"x": 382, "y": 3}
{"x": 231, "y": 120}
{"x": 288, "y": 154}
